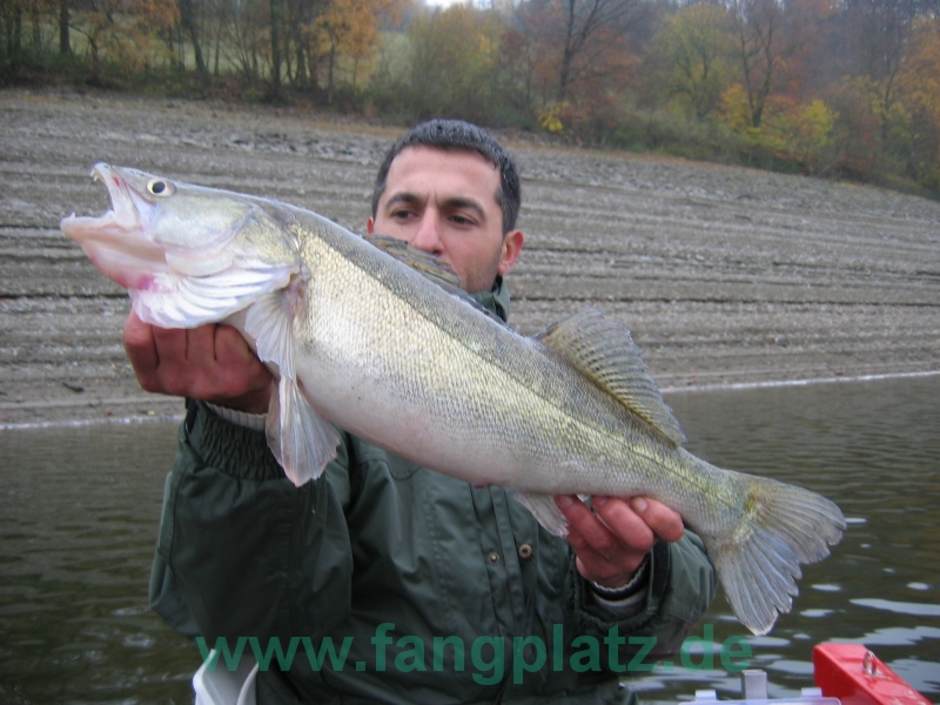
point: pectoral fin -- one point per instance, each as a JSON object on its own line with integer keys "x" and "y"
{"x": 602, "y": 350}
{"x": 302, "y": 442}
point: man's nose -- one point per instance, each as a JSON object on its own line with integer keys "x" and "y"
{"x": 428, "y": 235}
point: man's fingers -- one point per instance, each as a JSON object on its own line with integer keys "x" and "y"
{"x": 630, "y": 529}
{"x": 600, "y": 568}
{"x": 200, "y": 346}
{"x": 593, "y": 566}
{"x": 664, "y": 522}
{"x": 231, "y": 348}
{"x": 139, "y": 343}
{"x": 612, "y": 540}
{"x": 582, "y": 522}
{"x": 171, "y": 345}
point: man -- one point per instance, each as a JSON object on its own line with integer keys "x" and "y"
{"x": 445, "y": 592}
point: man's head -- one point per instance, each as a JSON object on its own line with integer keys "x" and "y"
{"x": 449, "y": 188}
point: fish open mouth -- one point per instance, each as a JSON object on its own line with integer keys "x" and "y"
{"x": 122, "y": 218}
{"x": 115, "y": 241}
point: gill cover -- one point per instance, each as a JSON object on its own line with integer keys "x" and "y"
{"x": 221, "y": 250}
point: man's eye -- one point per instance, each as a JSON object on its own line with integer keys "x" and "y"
{"x": 461, "y": 220}
{"x": 401, "y": 214}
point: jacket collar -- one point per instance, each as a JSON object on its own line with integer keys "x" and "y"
{"x": 496, "y": 299}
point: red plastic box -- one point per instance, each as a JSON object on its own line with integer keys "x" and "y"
{"x": 856, "y": 676}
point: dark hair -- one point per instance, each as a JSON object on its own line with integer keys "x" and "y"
{"x": 457, "y": 135}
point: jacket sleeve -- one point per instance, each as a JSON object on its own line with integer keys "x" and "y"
{"x": 680, "y": 586}
{"x": 241, "y": 551}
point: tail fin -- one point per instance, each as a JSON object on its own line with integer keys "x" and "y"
{"x": 758, "y": 561}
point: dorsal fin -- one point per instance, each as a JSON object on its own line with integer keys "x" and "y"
{"x": 431, "y": 266}
{"x": 602, "y": 350}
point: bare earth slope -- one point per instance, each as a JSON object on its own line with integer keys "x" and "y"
{"x": 724, "y": 274}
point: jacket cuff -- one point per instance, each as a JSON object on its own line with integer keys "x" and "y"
{"x": 639, "y": 608}
{"x": 240, "y": 418}
{"x": 627, "y": 599}
{"x": 231, "y": 448}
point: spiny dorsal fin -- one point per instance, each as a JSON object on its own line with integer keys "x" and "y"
{"x": 431, "y": 266}
{"x": 602, "y": 350}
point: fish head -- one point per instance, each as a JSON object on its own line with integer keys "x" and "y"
{"x": 187, "y": 254}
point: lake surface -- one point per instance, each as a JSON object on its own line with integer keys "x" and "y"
{"x": 80, "y": 507}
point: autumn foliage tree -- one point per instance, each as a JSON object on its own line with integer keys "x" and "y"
{"x": 692, "y": 52}
{"x": 122, "y": 31}
{"x": 824, "y": 86}
{"x": 452, "y": 62}
{"x": 919, "y": 91}
{"x": 349, "y": 29}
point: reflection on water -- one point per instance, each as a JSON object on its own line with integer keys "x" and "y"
{"x": 80, "y": 509}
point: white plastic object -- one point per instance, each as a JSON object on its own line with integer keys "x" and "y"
{"x": 219, "y": 686}
{"x": 754, "y": 691}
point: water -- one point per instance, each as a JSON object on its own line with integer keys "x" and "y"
{"x": 875, "y": 449}
{"x": 80, "y": 509}
{"x": 78, "y": 525}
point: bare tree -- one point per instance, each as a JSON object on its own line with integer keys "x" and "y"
{"x": 587, "y": 24}
{"x": 65, "y": 45}
{"x": 188, "y": 22}
{"x": 879, "y": 32}
{"x": 276, "y": 19}
{"x": 758, "y": 24}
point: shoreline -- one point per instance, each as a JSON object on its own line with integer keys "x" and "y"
{"x": 143, "y": 419}
{"x": 728, "y": 277}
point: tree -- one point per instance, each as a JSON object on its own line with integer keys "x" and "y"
{"x": 693, "y": 48}
{"x": 758, "y": 24}
{"x": 919, "y": 89}
{"x": 300, "y": 23}
{"x": 879, "y": 33}
{"x": 453, "y": 60}
{"x": 276, "y": 18}
{"x": 588, "y": 26}
{"x": 123, "y": 30}
{"x": 65, "y": 45}
{"x": 349, "y": 29}
{"x": 246, "y": 39}
{"x": 11, "y": 16}
{"x": 188, "y": 21}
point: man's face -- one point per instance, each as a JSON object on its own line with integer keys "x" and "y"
{"x": 444, "y": 202}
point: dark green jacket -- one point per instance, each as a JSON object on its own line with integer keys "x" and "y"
{"x": 378, "y": 540}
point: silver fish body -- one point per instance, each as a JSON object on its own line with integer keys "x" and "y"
{"x": 363, "y": 341}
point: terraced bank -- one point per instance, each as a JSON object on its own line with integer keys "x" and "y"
{"x": 725, "y": 275}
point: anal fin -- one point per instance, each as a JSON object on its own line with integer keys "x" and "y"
{"x": 545, "y": 511}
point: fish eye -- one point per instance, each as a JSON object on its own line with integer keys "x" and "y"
{"x": 159, "y": 187}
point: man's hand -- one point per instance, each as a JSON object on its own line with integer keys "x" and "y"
{"x": 611, "y": 541}
{"x": 212, "y": 363}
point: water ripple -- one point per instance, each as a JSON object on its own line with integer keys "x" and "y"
{"x": 913, "y": 608}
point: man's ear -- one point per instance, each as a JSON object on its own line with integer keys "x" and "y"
{"x": 370, "y": 226}
{"x": 511, "y": 247}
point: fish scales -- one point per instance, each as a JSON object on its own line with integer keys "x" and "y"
{"x": 516, "y": 391}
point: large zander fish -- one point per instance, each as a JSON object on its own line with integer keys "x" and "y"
{"x": 360, "y": 340}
